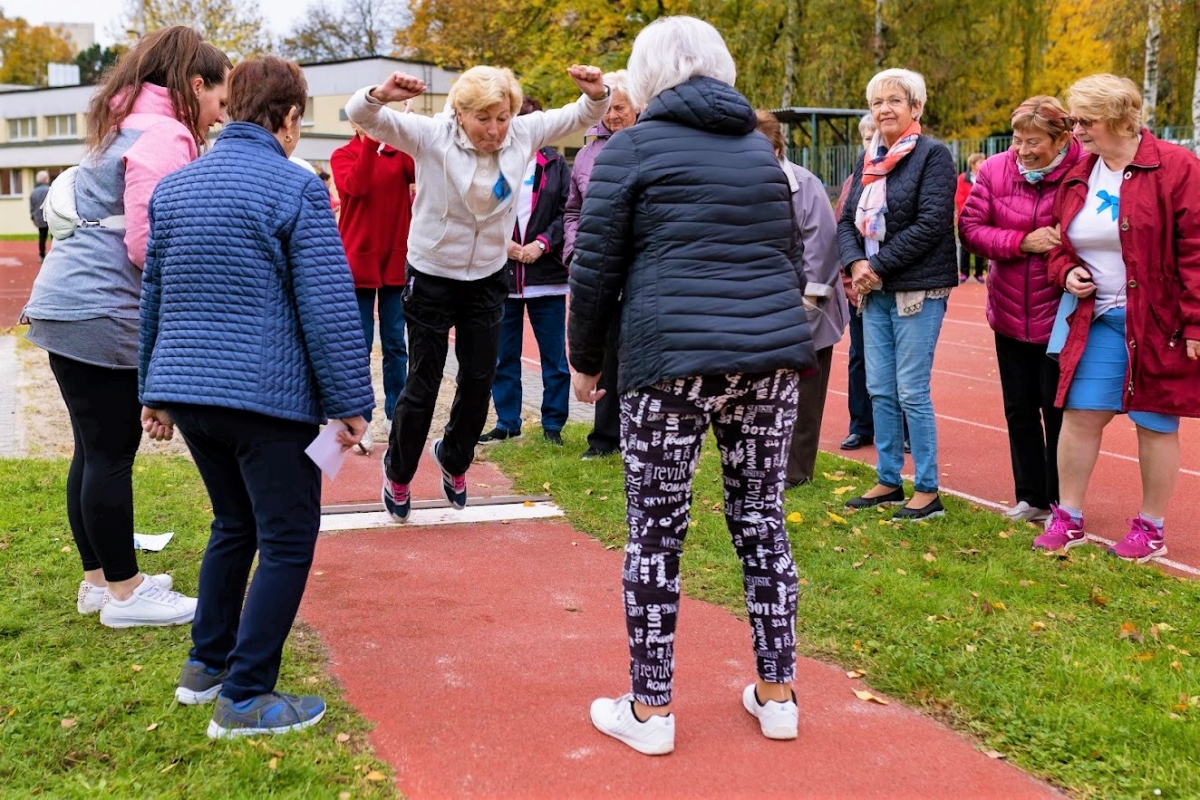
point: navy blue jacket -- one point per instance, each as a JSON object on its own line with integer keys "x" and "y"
{"x": 918, "y": 252}
{"x": 247, "y": 299}
{"x": 689, "y": 214}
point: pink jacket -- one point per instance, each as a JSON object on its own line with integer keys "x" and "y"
{"x": 1000, "y": 211}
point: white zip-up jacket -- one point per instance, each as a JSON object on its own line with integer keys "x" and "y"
{"x": 447, "y": 239}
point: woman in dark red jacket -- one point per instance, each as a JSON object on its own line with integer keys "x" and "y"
{"x": 373, "y": 183}
{"x": 1009, "y": 218}
{"x": 1129, "y": 215}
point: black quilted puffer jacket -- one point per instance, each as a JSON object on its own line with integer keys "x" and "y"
{"x": 918, "y": 252}
{"x": 689, "y": 215}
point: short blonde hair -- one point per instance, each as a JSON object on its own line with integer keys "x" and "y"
{"x": 867, "y": 126}
{"x": 673, "y": 50}
{"x": 1115, "y": 100}
{"x": 975, "y": 158}
{"x": 907, "y": 81}
{"x": 480, "y": 88}
{"x": 618, "y": 81}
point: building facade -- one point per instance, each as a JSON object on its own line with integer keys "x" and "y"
{"x": 44, "y": 129}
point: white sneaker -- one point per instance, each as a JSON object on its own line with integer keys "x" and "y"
{"x": 91, "y": 597}
{"x": 1023, "y": 512}
{"x": 365, "y": 445}
{"x": 150, "y": 604}
{"x": 654, "y": 737}
{"x": 778, "y": 720}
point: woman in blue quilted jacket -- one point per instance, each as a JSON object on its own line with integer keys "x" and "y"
{"x": 249, "y": 341}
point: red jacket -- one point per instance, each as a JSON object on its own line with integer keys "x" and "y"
{"x": 1002, "y": 209}
{"x": 961, "y": 191}
{"x": 373, "y": 183}
{"x": 1160, "y": 243}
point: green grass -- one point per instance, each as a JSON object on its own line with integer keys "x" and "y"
{"x": 115, "y": 685}
{"x": 18, "y": 237}
{"x": 1082, "y": 670}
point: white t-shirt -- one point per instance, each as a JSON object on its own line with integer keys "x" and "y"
{"x": 524, "y": 211}
{"x": 1096, "y": 238}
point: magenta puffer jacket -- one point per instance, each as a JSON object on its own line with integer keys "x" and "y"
{"x": 1001, "y": 210}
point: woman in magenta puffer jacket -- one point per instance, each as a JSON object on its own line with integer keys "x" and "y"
{"x": 1008, "y": 218}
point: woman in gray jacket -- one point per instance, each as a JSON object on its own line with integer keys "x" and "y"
{"x": 471, "y": 161}
{"x": 824, "y": 300}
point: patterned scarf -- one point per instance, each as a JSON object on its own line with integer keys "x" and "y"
{"x": 872, "y": 204}
{"x": 1038, "y": 175}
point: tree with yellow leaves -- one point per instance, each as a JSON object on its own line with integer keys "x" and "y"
{"x": 26, "y": 50}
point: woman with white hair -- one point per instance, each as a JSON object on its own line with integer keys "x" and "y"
{"x": 896, "y": 237}
{"x": 471, "y": 161}
{"x": 687, "y": 232}
{"x": 605, "y": 438}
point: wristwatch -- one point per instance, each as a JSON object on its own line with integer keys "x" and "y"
{"x": 541, "y": 245}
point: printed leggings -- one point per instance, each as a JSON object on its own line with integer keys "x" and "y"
{"x": 662, "y": 430}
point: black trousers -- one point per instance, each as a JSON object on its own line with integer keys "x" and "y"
{"x": 964, "y": 261}
{"x": 266, "y": 498}
{"x": 606, "y": 430}
{"x": 43, "y": 233}
{"x": 106, "y": 423}
{"x": 432, "y": 306}
{"x": 1028, "y": 380}
{"x": 806, "y": 436}
{"x": 862, "y": 418}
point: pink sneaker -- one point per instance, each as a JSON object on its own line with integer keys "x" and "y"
{"x": 1143, "y": 543}
{"x": 1062, "y": 532}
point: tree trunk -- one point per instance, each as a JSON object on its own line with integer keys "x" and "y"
{"x": 791, "y": 32}
{"x": 1196, "y": 101}
{"x": 880, "y": 30}
{"x": 1150, "y": 81}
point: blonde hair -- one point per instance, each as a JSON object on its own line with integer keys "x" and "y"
{"x": 480, "y": 88}
{"x": 907, "y": 81}
{"x": 975, "y": 158}
{"x": 1042, "y": 113}
{"x": 1115, "y": 100}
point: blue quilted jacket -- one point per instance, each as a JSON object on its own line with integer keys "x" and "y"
{"x": 247, "y": 299}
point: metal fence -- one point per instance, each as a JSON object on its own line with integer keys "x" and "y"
{"x": 833, "y": 164}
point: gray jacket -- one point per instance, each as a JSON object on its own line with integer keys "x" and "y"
{"x": 824, "y": 297}
{"x": 35, "y": 204}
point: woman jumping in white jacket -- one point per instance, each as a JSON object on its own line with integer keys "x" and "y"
{"x": 471, "y": 159}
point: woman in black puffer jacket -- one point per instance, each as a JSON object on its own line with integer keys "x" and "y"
{"x": 689, "y": 214}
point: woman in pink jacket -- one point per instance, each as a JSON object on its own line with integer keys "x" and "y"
{"x": 1008, "y": 219}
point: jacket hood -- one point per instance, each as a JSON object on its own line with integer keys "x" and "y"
{"x": 151, "y": 99}
{"x": 704, "y": 103}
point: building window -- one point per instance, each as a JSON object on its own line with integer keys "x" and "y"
{"x": 61, "y": 127}
{"x": 22, "y": 128}
{"x": 10, "y": 182}
{"x": 309, "y": 114}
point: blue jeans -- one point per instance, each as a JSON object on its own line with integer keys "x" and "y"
{"x": 899, "y": 353}
{"x": 391, "y": 338}
{"x": 266, "y": 499}
{"x": 548, "y": 318}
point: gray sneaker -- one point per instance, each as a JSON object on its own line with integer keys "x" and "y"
{"x": 267, "y": 713}
{"x": 198, "y": 684}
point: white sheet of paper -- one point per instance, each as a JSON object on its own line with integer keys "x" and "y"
{"x": 325, "y": 451}
{"x": 152, "y": 541}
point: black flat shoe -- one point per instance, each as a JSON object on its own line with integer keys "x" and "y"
{"x": 855, "y": 441}
{"x": 891, "y": 498}
{"x": 932, "y": 509}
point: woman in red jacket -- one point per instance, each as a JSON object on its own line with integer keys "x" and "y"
{"x": 962, "y": 190}
{"x": 1129, "y": 216}
{"x": 1009, "y": 218}
{"x": 372, "y": 181}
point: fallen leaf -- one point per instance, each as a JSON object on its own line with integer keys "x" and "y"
{"x": 905, "y": 545}
{"x": 152, "y": 726}
{"x": 1051, "y": 615}
{"x": 273, "y": 763}
{"x": 804, "y": 581}
{"x": 835, "y": 517}
{"x": 1004, "y": 534}
{"x": 1143, "y": 657}
{"x": 857, "y": 645}
{"x": 1175, "y": 665}
{"x": 375, "y": 775}
{"x": 839, "y": 549}
{"x": 589, "y": 491}
{"x": 1038, "y": 626}
{"x": 66, "y": 549}
{"x": 856, "y": 673}
{"x": 546, "y": 486}
{"x": 342, "y": 738}
{"x": 1027, "y": 584}
{"x": 67, "y": 723}
{"x": 930, "y": 557}
{"x": 602, "y": 497}
{"x": 1162, "y": 626}
{"x": 136, "y": 667}
{"x": 841, "y": 490}
{"x": 868, "y": 697}
{"x": 528, "y": 504}
{"x": 995, "y": 754}
{"x": 169, "y": 767}
{"x": 795, "y": 516}
{"x": 971, "y": 648}
{"x": 1130, "y": 632}
{"x": 344, "y": 796}
{"x": 856, "y": 564}
{"x": 900, "y": 571}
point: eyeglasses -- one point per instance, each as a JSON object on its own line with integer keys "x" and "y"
{"x": 891, "y": 102}
{"x": 1082, "y": 122}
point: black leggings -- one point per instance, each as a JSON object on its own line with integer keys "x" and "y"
{"x": 105, "y": 418}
